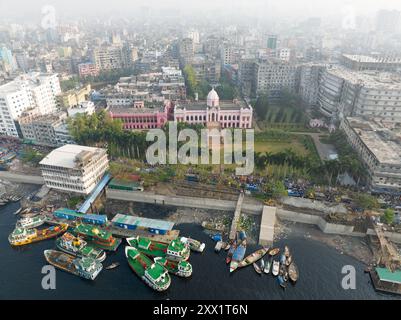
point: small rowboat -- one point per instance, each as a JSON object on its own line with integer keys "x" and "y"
{"x": 257, "y": 268}
{"x": 257, "y": 255}
{"x": 18, "y": 211}
{"x": 230, "y": 253}
{"x": 293, "y": 273}
{"x": 268, "y": 266}
{"x": 286, "y": 251}
{"x": 113, "y": 265}
{"x": 274, "y": 251}
{"x": 276, "y": 267}
{"x": 281, "y": 281}
{"x": 288, "y": 261}
{"x": 218, "y": 246}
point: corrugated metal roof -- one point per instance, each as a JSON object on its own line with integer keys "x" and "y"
{"x": 143, "y": 222}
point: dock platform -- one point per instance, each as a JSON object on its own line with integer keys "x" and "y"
{"x": 237, "y": 214}
{"x": 266, "y": 235}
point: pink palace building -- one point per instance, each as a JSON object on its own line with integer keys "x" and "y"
{"x": 138, "y": 117}
{"x": 228, "y": 114}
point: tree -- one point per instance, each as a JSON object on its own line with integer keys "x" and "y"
{"x": 389, "y": 215}
{"x": 279, "y": 189}
{"x": 190, "y": 80}
{"x": 261, "y": 107}
{"x": 366, "y": 201}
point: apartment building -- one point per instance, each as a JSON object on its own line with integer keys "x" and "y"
{"x": 344, "y": 92}
{"x": 28, "y": 91}
{"x": 379, "y": 149}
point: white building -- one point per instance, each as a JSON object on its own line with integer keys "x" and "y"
{"x": 74, "y": 168}
{"x": 85, "y": 107}
{"x": 34, "y": 90}
{"x": 379, "y": 149}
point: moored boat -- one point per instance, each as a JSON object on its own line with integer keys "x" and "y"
{"x": 268, "y": 265}
{"x": 113, "y": 265}
{"x": 213, "y": 226}
{"x": 97, "y": 236}
{"x": 253, "y": 257}
{"x": 194, "y": 245}
{"x": 18, "y": 211}
{"x": 230, "y": 252}
{"x": 276, "y": 267}
{"x": 179, "y": 268}
{"x": 176, "y": 250}
{"x": 238, "y": 256}
{"x": 262, "y": 264}
{"x": 21, "y": 236}
{"x": 274, "y": 251}
{"x": 79, "y": 247}
{"x": 257, "y": 268}
{"x": 153, "y": 274}
{"x": 218, "y": 246}
{"x": 293, "y": 272}
{"x": 31, "y": 222}
{"x": 84, "y": 267}
{"x": 281, "y": 281}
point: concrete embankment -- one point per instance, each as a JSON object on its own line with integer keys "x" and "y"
{"x": 189, "y": 202}
{"x": 21, "y": 178}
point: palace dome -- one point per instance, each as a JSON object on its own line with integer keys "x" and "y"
{"x": 213, "y": 99}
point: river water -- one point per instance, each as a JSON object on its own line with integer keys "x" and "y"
{"x": 319, "y": 266}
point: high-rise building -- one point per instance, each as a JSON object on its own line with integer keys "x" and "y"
{"x": 272, "y": 42}
{"x": 186, "y": 51}
{"x": 271, "y": 77}
{"x": 344, "y": 92}
{"x": 34, "y": 90}
{"x": 108, "y": 58}
{"x": 309, "y": 78}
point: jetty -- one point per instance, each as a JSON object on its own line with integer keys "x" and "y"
{"x": 237, "y": 215}
{"x": 266, "y": 235}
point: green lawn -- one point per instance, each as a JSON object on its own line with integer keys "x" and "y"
{"x": 277, "y": 146}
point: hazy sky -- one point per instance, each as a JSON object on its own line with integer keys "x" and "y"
{"x": 290, "y": 8}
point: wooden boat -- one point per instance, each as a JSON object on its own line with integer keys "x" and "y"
{"x": 268, "y": 266}
{"x": 281, "y": 281}
{"x": 287, "y": 251}
{"x": 283, "y": 272}
{"x": 276, "y": 267}
{"x": 274, "y": 251}
{"x": 226, "y": 246}
{"x": 257, "y": 268}
{"x": 238, "y": 256}
{"x": 288, "y": 261}
{"x": 293, "y": 273}
{"x": 253, "y": 257}
{"x": 262, "y": 264}
{"x": 213, "y": 226}
{"x": 112, "y": 266}
{"x": 230, "y": 253}
{"x": 218, "y": 246}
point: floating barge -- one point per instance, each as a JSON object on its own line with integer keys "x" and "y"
{"x": 386, "y": 281}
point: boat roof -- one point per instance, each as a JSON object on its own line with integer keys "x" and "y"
{"x": 155, "y": 271}
{"x": 143, "y": 222}
{"x": 388, "y": 276}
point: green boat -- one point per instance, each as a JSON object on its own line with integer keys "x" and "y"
{"x": 97, "y": 236}
{"x": 181, "y": 268}
{"x": 78, "y": 247}
{"x": 176, "y": 250}
{"x": 153, "y": 274}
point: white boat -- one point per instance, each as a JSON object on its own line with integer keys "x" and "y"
{"x": 218, "y": 246}
{"x": 262, "y": 264}
{"x": 267, "y": 266}
{"x": 276, "y": 268}
{"x": 18, "y": 211}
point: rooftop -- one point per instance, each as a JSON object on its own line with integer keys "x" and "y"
{"x": 388, "y": 276}
{"x": 223, "y": 104}
{"x": 378, "y": 139}
{"x": 370, "y": 59}
{"x": 70, "y": 156}
{"x": 143, "y": 222}
{"x": 370, "y": 79}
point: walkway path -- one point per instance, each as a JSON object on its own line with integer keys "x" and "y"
{"x": 237, "y": 215}
{"x": 21, "y": 177}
